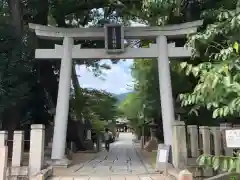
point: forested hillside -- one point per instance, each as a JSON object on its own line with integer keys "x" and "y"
{"x": 121, "y": 97}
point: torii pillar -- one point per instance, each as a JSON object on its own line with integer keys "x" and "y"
{"x": 62, "y": 109}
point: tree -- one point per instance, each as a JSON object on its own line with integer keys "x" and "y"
{"x": 218, "y": 76}
{"x": 99, "y": 104}
{"x": 99, "y": 107}
{"x": 131, "y": 108}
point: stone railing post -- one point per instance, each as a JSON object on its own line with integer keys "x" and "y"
{"x": 3, "y": 162}
{"x": 205, "y": 131}
{"x": 37, "y": 139}
{"x": 179, "y": 147}
{"x": 17, "y": 154}
{"x": 206, "y": 142}
{"x": 3, "y": 138}
{"x": 193, "y": 133}
{"x": 223, "y": 127}
{"x": 217, "y": 140}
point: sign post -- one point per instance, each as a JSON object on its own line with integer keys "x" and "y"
{"x": 162, "y": 158}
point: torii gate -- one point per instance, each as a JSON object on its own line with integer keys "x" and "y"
{"x": 68, "y": 51}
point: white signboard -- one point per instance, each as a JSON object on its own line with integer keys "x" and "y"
{"x": 233, "y": 138}
{"x": 163, "y": 156}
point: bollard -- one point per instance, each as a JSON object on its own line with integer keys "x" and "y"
{"x": 185, "y": 175}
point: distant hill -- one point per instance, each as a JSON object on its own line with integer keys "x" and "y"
{"x": 122, "y": 96}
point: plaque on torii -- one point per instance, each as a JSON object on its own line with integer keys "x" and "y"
{"x": 114, "y": 38}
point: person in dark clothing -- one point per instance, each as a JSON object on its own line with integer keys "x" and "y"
{"x": 107, "y": 139}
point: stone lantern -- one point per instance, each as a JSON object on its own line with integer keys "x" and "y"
{"x": 153, "y": 129}
{"x": 152, "y": 144}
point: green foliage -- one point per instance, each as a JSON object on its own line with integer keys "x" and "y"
{"x": 94, "y": 104}
{"x": 218, "y": 76}
{"x": 98, "y": 125}
{"x": 229, "y": 164}
{"x": 130, "y": 109}
{"x": 15, "y": 67}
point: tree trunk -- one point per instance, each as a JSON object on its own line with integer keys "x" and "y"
{"x": 79, "y": 124}
{"x": 12, "y": 115}
{"x": 15, "y": 9}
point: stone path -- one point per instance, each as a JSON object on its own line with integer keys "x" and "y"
{"x": 121, "y": 163}
{"x": 122, "y": 159}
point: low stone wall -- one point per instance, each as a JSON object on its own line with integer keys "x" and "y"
{"x": 12, "y": 167}
{"x": 13, "y": 172}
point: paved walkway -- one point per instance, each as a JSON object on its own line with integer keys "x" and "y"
{"x": 122, "y": 159}
{"x": 121, "y": 162}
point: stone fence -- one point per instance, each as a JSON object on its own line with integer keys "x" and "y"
{"x": 14, "y": 167}
{"x": 190, "y": 141}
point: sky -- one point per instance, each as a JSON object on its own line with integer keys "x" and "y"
{"x": 116, "y": 80}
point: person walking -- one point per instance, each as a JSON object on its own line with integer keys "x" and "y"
{"x": 107, "y": 139}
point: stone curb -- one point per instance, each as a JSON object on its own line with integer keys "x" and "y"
{"x": 142, "y": 159}
{"x": 172, "y": 172}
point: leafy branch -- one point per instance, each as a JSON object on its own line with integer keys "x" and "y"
{"x": 224, "y": 163}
